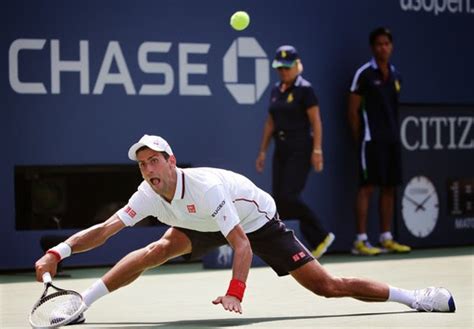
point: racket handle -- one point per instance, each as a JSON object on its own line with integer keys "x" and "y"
{"x": 47, "y": 277}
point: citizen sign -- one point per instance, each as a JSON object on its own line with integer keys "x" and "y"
{"x": 437, "y": 132}
{"x": 114, "y": 69}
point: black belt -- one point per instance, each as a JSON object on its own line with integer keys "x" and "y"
{"x": 283, "y": 135}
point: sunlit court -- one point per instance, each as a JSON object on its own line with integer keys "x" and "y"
{"x": 179, "y": 296}
{"x": 237, "y": 163}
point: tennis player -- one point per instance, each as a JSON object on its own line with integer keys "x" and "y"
{"x": 207, "y": 208}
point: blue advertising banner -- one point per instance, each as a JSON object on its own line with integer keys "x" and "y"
{"x": 82, "y": 80}
{"x": 437, "y": 199}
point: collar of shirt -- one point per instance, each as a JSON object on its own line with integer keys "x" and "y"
{"x": 374, "y": 65}
{"x": 180, "y": 185}
{"x": 298, "y": 81}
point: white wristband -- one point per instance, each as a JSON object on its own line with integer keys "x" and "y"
{"x": 62, "y": 249}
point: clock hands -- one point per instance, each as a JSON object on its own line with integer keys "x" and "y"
{"x": 418, "y": 205}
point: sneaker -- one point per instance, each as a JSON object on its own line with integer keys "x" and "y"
{"x": 434, "y": 300}
{"x": 390, "y": 245}
{"x": 364, "y": 248}
{"x": 80, "y": 319}
{"x": 323, "y": 246}
{"x": 58, "y": 317}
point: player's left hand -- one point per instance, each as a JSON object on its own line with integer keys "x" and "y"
{"x": 229, "y": 303}
{"x": 317, "y": 162}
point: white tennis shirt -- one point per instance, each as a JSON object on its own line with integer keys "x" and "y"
{"x": 206, "y": 200}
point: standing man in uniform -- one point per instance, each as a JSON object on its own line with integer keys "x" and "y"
{"x": 295, "y": 125}
{"x": 206, "y": 208}
{"x": 373, "y": 117}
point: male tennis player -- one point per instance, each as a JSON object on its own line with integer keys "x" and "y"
{"x": 206, "y": 208}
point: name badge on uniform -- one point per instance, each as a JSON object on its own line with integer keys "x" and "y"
{"x": 397, "y": 86}
{"x": 290, "y": 98}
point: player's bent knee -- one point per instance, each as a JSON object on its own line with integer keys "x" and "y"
{"x": 329, "y": 288}
{"x": 156, "y": 253}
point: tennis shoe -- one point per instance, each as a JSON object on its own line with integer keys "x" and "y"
{"x": 364, "y": 248}
{"x": 58, "y": 318}
{"x": 323, "y": 246}
{"x": 390, "y": 245}
{"x": 434, "y": 299}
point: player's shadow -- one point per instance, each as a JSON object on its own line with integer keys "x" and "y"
{"x": 235, "y": 322}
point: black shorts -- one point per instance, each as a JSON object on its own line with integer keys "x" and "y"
{"x": 274, "y": 243}
{"x": 380, "y": 163}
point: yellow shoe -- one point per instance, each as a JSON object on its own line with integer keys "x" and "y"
{"x": 364, "y": 248}
{"x": 393, "y": 246}
{"x": 323, "y": 246}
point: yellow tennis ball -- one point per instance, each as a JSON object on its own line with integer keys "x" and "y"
{"x": 240, "y": 20}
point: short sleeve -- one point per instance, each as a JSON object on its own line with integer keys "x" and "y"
{"x": 273, "y": 95}
{"x": 222, "y": 209}
{"x": 359, "y": 84}
{"x": 137, "y": 208}
{"x": 309, "y": 98}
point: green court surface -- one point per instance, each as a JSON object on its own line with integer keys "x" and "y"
{"x": 179, "y": 296}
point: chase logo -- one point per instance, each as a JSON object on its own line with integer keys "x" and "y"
{"x": 175, "y": 71}
{"x": 246, "y": 93}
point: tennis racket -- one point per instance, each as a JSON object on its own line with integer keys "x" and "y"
{"x": 57, "y": 308}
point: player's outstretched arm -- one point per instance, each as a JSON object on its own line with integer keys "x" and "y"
{"x": 84, "y": 240}
{"x": 96, "y": 235}
{"x": 240, "y": 269}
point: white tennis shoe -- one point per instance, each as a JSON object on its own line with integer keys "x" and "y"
{"x": 434, "y": 299}
{"x": 57, "y": 317}
{"x": 80, "y": 319}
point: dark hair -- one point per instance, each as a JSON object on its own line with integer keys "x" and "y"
{"x": 144, "y": 147}
{"x": 378, "y": 32}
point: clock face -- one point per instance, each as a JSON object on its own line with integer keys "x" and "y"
{"x": 420, "y": 207}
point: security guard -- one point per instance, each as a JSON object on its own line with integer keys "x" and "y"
{"x": 373, "y": 116}
{"x": 295, "y": 125}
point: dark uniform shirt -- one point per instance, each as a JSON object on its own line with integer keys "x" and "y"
{"x": 380, "y": 101}
{"x": 289, "y": 108}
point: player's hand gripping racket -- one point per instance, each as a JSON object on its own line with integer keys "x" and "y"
{"x": 56, "y": 309}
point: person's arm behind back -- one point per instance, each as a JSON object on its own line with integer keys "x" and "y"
{"x": 353, "y": 116}
{"x": 358, "y": 89}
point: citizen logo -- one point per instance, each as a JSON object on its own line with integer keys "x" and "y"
{"x": 214, "y": 214}
{"x": 437, "y": 133}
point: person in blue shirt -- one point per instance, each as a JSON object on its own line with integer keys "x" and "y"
{"x": 294, "y": 123}
{"x": 373, "y": 117}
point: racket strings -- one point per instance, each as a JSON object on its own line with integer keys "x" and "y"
{"x": 56, "y": 308}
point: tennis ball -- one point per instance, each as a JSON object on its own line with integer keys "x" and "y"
{"x": 239, "y": 20}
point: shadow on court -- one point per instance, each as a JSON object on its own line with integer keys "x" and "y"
{"x": 228, "y": 322}
{"x": 179, "y": 268}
